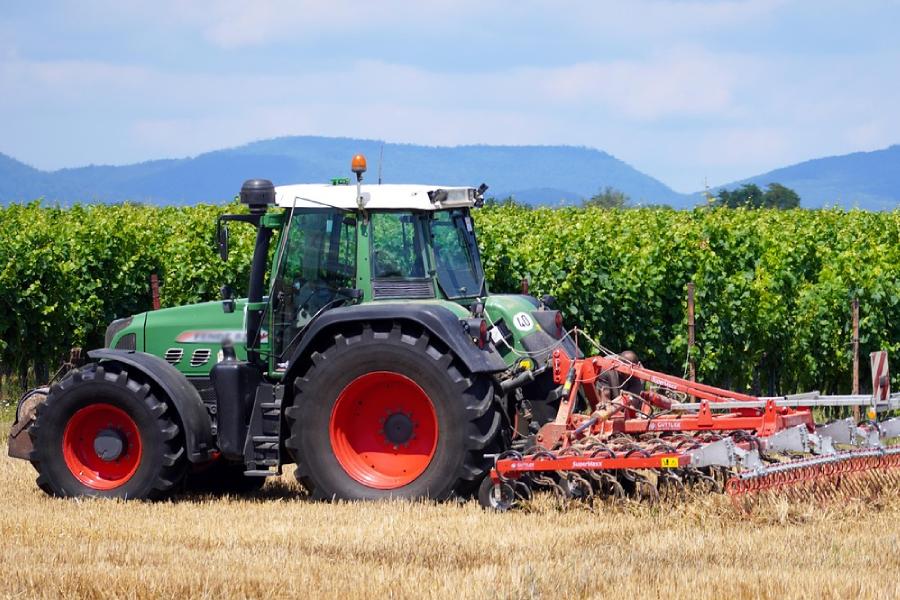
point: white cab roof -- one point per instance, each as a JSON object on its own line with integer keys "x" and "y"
{"x": 390, "y": 196}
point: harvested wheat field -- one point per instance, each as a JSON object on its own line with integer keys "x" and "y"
{"x": 278, "y": 544}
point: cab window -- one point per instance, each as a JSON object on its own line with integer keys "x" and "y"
{"x": 317, "y": 262}
{"x": 397, "y": 249}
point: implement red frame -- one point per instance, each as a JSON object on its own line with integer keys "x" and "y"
{"x": 513, "y": 467}
{"x": 580, "y": 374}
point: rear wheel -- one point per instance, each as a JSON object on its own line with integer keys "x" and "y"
{"x": 387, "y": 412}
{"x": 101, "y": 433}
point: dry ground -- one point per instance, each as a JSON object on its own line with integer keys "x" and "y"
{"x": 278, "y": 544}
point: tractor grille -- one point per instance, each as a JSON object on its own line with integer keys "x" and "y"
{"x": 173, "y": 355}
{"x": 200, "y": 357}
{"x": 402, "y": 288}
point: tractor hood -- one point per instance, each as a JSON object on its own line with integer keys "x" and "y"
{"x": 188, "y": 337}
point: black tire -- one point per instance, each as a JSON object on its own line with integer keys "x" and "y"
{"x": 223, "y": 477}
{"x": 468, "y": 415}
{"x": 161, "y": 465}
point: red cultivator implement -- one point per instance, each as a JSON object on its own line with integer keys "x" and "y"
{"x": 623, "y": 430}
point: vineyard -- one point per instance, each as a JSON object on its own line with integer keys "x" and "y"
{"x": 773, "y": 290}
{"x": 773, "y": 287}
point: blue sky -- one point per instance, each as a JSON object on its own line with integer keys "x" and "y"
{"x": 687, "y": 91}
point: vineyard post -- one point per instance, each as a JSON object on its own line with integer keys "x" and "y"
{"x": 154, "y": 290}
{"x": 690, "y": 316}
{"x": 854, "y": 306}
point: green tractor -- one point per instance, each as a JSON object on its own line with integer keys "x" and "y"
{"x": 372, "y": 356}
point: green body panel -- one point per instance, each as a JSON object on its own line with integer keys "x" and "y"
{"x": 506, "y": 308}
{"x": 189, "y": 328}
{"x": 363, "y": 267}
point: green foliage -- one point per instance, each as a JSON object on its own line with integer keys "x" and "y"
{"x": 509, "y": 201}
{"x": 750, "y": 195}
{"x": 608, "y": 197}
{"x": 68, "y": 273}
{"x": 773, "y": 286}
{"x": 779, "y": 196}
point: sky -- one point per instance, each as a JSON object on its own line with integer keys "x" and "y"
{"x": 690, "y": 92}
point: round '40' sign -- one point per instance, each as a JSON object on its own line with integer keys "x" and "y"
{"x": 523, "y": 322}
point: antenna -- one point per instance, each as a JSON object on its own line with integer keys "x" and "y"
{"x": 709, "y": 197}
{"x": 380, "y": 161}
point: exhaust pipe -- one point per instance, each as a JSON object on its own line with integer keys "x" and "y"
{"x": 258, "y": 194}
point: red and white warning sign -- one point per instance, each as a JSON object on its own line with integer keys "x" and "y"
{"x": 881, "y": 378}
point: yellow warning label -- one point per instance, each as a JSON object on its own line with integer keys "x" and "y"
{"x": 669, "y": 462}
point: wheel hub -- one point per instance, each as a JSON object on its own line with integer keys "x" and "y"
{"x": 101, "y": 446}
{"x": 398, "y": 428}
{"x": 109, "y": 444}
{"x": 383, "y": 430}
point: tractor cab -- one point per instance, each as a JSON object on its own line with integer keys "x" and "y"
{"x": 391, "y": 243}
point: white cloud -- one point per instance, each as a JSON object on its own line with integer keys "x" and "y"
{"x": 239, "y": 23}
{"x": 668, "y": 102}
{"x": 678, "y": 83}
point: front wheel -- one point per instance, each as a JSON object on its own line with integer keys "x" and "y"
{"x": 386, "y": 413}
{"x": 102, "y": 433}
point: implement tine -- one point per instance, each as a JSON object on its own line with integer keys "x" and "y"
{"x": 861, "y": 474}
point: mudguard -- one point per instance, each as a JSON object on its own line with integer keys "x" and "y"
{"x": 437, "y": 320}
{"x": 195, "y": 420}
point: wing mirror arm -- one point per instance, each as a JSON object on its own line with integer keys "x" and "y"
{"x": 227, "y": 299}
{"x": 222, "y": 239}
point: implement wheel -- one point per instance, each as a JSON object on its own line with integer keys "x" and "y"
{"x": 100, "y": 433}
{"x": 386, "y": 413}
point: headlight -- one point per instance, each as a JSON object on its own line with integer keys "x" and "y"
{"x": 114, "y": 328}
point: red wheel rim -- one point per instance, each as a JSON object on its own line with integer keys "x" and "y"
{"x": 79, "y": 445}
{"x": 383, "y": 430}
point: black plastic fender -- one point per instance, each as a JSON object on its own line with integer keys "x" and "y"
{"x": 442, "y": 323}
{"x": 198, "y": 438}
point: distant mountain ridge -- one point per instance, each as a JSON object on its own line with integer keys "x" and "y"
{"x": 544, "y": 175}
{"x": 534, "y": 174}
{"x": 869, "y": 180}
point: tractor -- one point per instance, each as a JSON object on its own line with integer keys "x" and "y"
{"x": 372, "y": 356}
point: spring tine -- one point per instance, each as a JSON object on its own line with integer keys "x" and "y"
{"x": 580, "y": 488}
{"x": 648, "y": 490}
{"x": 522, "y": 490}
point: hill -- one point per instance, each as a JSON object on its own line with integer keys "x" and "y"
{"x": 533, "y": 174}
{"x": 540, "y": 175}
{"x": 868, "y": 180}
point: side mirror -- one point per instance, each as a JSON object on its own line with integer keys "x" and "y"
{"x": 227, "y": 298}
{"x": 222, "y": 240}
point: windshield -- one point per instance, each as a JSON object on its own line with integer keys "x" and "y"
{"x": 456, "y": 254}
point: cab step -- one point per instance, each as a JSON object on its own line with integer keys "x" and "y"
{"x": 262, "y": 450}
